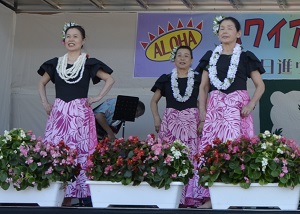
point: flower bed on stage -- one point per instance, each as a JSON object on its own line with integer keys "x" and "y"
{"x": 263, "y": 159}
{"x": 131, "y": 162}
{"x": 26, "y": 163}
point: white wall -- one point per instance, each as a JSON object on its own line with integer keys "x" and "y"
{"x": 7, "y": 25}
{"x": 110, "y": 38}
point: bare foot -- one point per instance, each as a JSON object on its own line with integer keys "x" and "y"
{"x": 206, "y": 205}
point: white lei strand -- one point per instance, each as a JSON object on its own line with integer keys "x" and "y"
{"x": 234, "y": 61}
{"x": 72, "y": 72}
{"x": 189, "y": 88}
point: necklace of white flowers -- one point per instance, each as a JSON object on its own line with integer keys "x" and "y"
{"x": 189, "y": 88}
{"x": 76, "y": 71}
{"x": 234, "y": 61}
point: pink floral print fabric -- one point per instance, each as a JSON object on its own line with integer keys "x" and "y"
{"x": 223, "y": 117}
{"x": 74, "y": 123}
{"x": 183, "y": 125}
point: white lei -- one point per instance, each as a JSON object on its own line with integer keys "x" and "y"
{"x": 189, "y": 88}
{"x": 76, "y": 71}
{"x": 234, "y": 61}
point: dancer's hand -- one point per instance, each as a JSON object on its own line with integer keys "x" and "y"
{"x": 157, "y": 122}
{"x": 48, "y": 107}
{"x": 247, "y": 109}
{"x": 200, "y": 128}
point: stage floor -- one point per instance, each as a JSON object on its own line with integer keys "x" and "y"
{"x": 89, "y": 210}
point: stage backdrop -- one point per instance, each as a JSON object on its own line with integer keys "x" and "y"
{"x": 273, "y": 38}
{"x": 7, "y": 25}
{"x": 281, "y": 107}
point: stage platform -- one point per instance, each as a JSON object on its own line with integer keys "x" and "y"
{"x": 122, "y": 210}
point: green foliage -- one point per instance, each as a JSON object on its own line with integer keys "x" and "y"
{"x": 26, "y": 162}
{"x": 133, "y": 161}
{"x": 266, "y": 158}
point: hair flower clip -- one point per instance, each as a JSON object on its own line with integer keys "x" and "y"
{"x": 66, "y": 26}
{"x": 173, "y": 53}
{"x": 216, "y": 23}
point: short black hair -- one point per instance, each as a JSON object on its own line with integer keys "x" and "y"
{"x": 184, "y": 47}
{"x": 140, "y": 108}
{"x": 78, "y": 27}
{"x": 234, "y": 20}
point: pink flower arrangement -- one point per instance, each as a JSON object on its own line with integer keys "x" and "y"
{"x": 266, "y": 158}
{"x": 26, "y": 162}
{"x": 133, "y": 161}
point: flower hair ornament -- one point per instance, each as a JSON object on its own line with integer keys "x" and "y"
{"x": 66, "y": 26}
{"x": 173, "y": 53}
{"x": 216, "y": 24}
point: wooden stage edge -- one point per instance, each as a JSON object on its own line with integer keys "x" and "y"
{"x": 123, "y": 210}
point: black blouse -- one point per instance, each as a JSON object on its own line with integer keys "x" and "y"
{"x": 248, "y": 63}
{"x": 68, "y": 92}
{"x": 163, "y": 83}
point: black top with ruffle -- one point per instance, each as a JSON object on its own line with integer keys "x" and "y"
{"x": 163, "y": 83}
{"x": 68, "y": 92}
{"x": 248, "y": 63}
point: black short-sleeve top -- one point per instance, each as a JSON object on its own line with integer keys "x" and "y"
{"x": 248, "y": 63}
{"x": 163, "y": 83}
{"x": 68, "y": 92}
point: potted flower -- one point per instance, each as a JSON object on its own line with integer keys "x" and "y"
{"x": 133, "y": 163}
{"x": 263, "y": 160}
{"x": 26, "y": 164}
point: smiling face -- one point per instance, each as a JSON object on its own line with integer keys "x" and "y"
{"x": 228, "y": 32}
{"x": 183, "y": 58}
{"x": 74, "y": 39}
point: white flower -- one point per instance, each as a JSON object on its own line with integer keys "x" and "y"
{"x": 269, "y": 143}
{"x": 7, "y": 135}
{"x": 173, "y": 53}
{"x": 216, "y": 24}
{"x": 267, "y": 133}
{"x": 177, "y": 141}
{"x": 183, "y": 174}
{"x": 263, "y": 145}
{"x": 276, "y": 136}
{"x": 177, "y": 154}
{"x": 1, "y": 157}
{"x": 279, "y": 151}
{"x": 234, "y": 61}
{"x": 22, "y": 134}
{"x": 264, "y": 162}
{"x": 189, "y": 88}
{"x": 66, "y": 26}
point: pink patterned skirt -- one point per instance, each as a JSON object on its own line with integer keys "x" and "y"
{"x": 223, "y": 117}
{"x": 183, "y": 125}
{"x": 74, "y": 123}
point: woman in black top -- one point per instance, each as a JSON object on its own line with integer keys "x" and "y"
{"x": 181, "y": 116}
{"x": 71, "y": 118}
{"x": 228, "y": 114}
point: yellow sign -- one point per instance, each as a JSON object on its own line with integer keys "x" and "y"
{"x": 160, "y": 48}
